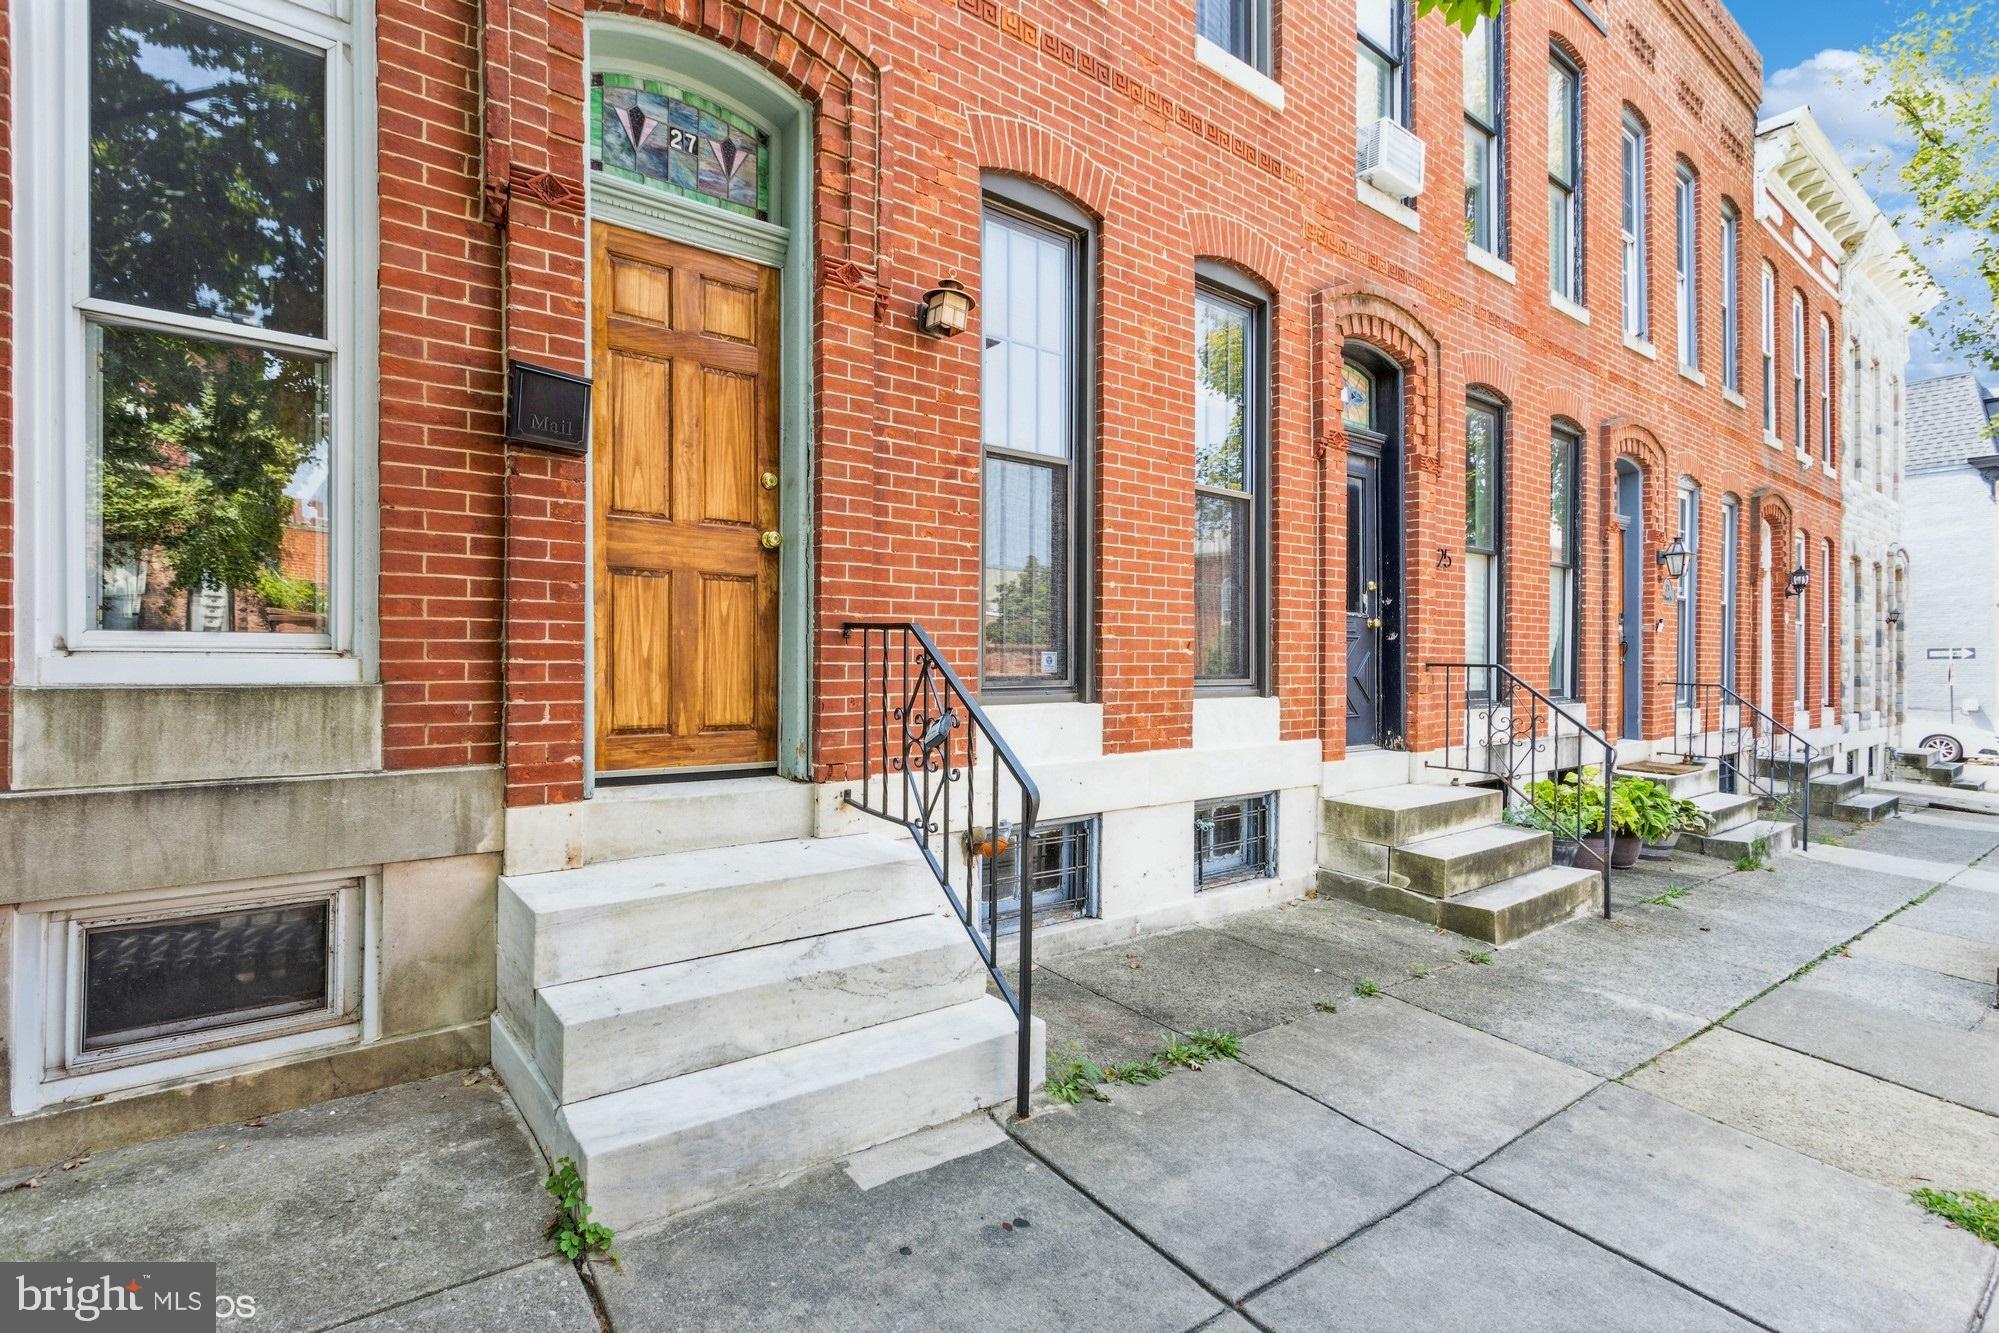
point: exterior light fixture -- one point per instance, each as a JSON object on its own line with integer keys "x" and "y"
{"x": 947, "y": 308}
{"x": 1674, "y": 558}
{"x": 1801, "y": 579}
{"x": 1894, "y": 615}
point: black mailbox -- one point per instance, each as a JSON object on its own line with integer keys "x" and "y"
{"x": 548, "y": 408}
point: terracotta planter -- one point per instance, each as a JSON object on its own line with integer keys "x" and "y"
{"x": 1589, "y": 852}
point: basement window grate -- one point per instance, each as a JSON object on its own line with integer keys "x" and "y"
{"x": 1233, "y": 840}
{"x": 1061, "y": 874}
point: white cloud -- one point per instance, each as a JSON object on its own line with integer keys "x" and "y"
{"x": 1875, "y": 145}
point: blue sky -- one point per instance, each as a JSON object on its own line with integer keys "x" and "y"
{"x": 1809, "y": 57}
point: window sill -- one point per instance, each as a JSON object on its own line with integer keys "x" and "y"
{"x": 1568, "y": 307}
{"x": 1693, "y": 375}
{"x": 1642, "y": 347}
{"x": 140, "y": 667}
{"x": 1387, "y": 205}
{"x": 1491, "y": 263}
{"x": 1804, "y": 460}
{"x": 1734, "y": 399}
{"x": 1239, "y": 72}
{"x": 1770, "y": 439}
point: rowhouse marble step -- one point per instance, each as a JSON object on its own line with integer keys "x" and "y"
{"x": 1734, "y": 843}
{"x": 620, "y": 916}
{"x": 608, "y": 1033}
{"x": 1833, "y": 788}
{"x": 1503, "y": 912}
{"x": 1725, "y": 810}
{"x": 659, "y": 1149}
{"x": 1455, "y": 863}
{"x": 1687, "y": 785}
{"x": 1868, "y": 807}
{"x": 1390, "y": 816}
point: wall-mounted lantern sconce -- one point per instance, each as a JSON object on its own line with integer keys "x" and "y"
{"x": 1894, "y": 615}
{"x": 947, "y": 308}
{"x": 1674, "y": 559}
{"x": 1801, "y": 579}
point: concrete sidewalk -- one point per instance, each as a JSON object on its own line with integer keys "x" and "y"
{"x": 1705, "y": 1112}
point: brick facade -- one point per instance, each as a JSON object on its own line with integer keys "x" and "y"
{"x": 483, "y": 548}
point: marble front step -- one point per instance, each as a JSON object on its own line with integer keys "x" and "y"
{"x": 1455, "y": 863}
{"x": 1831, "y": 789}
{"x": 1732, "y": 844}
{"x": 1725, "y": 810}
{"x": 1686, "y": 781}
{"x": 621, "y": 916}
{"x": 1390, "y": 816}
{"x": 662, "y": 1148}
{"x": 609, "y": 1033}
{"x": 1868, "y": 807}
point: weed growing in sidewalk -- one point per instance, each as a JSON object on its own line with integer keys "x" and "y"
{"x": 574, "y": 1234}
{"x": 1418, "y": 972}
{"x": 1078, "y": 1078}
{"x": 1476, "y": 957}
{"x": 1366, "y": 988}
{"x": 1753, "y": 859}
{"x": 1971, "y": 1210}
{"x": 1670, "y": 898}
{"x": 1325, "y": 1006}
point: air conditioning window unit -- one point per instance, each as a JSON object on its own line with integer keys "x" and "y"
{"x": 1391, "y": 159}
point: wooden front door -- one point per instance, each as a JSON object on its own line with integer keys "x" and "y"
{"x": 685, "y": 480}
{"x": 1364, "y": 600}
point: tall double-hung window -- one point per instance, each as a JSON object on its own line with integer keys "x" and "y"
{"x": 1034, "y": 419}
{"x": 1799, "y": 433}
{"x": 1686, "y": 609}
{"x": 1229, "y": 452}
{"x": 1241, "y": 28}
{"x": 1801, "y": 629}
{"x": 1769, "y": 351}
{"x": 1565, "y": 178}
{"x": 1731, "y": 298}
{"x": 188, "y": 262}
{"x": 1565, "y": 543}
{"x": 1637, "y": 315}
{"x": 1485, "y": 137}
{"x": 1384, "y": 61}
{"x": 1686, "y": 285}
{"x": 1483, "y": 528}
{"x": 1826, "y": 450}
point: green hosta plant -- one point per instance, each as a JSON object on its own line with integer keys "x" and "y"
{"x": 1648, "y": 810}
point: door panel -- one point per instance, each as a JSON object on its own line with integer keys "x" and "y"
{"x": 685, "y": 439}
{"x": 1363, "y": 595}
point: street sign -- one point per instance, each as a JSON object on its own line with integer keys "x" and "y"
{"x": 1950, "y": 654}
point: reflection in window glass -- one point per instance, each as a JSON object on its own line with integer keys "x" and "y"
{"x": 1227, "y": 439}
{"x": 1061, "y": 874}
{"x": 209, "y": 486}
{"x": 1380, "y": 83}
{"x": 208, "y": 168}
{"x": 193, "y": 974}
{"x": 1482, "y": 582}
{"x": 1484, "y": 143}
{"x": 1231, "y": 25}
{"x": 1564, "y": 180}
{"x": 1563, "y": 518}
{"x": 1028, "y": 410}
{"x": 1232, "y": 840}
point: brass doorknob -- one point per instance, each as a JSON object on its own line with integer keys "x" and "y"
{"x": 1374, "y": 622}
{"x": 772, "y": 539}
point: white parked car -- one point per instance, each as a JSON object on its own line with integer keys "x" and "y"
{"x": 1968, "y": 736}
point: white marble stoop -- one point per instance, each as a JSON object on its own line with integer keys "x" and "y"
{"x": 695, "y": 1022}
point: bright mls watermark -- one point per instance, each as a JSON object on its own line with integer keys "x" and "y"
{"x": 155, "y": 1298}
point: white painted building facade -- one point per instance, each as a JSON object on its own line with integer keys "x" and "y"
{"x": 1950, "y": 631}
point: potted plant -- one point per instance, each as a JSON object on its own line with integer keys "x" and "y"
{"x": 1573, "y": 812}
{"x": 1655, "y": 819}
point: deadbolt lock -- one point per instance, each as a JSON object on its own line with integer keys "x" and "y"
{"x": 769, "y": 480}
{"x": 772, "y": 539}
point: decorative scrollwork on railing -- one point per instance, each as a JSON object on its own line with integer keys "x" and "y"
{"x": 1751, "y": 748}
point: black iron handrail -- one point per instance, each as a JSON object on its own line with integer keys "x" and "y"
{"x": 913, "y": 711}
{"x": 1756, "y": 764}
{"x": 1489, "y": 708}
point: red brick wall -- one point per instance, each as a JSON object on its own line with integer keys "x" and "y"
{"x": 482, "y": 615}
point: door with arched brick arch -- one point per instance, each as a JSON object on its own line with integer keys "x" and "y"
{"x": 684, "y": 461}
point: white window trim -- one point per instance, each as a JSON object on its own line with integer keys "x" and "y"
{"x": 51, "y": 415}
{"x": 1240, "y": 72}
{"x": 45, "y": 1037}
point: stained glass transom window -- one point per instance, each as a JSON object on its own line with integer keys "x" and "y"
{"x": 652, "y": 133}
{"x": 1357, "y": 397}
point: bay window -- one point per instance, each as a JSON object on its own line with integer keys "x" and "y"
{"x": 198, "y": 459}
{"x": 1033, "y": 418}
